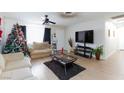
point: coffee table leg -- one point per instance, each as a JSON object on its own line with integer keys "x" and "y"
{"x": 65, "y": 69}
{"x": 53, "y": 59}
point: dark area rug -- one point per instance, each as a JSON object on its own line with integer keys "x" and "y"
{"x": 58, "y": 70}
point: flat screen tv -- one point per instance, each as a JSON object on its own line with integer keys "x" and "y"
{"x": 84, "y": 36}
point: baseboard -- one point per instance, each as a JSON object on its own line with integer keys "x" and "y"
{"x": 106, "y": 57}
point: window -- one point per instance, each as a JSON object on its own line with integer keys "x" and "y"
{"x": 35, "y": 33}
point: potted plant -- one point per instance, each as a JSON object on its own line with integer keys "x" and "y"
{"x": 98, "y": 51}
{"x": 70, "y": 41}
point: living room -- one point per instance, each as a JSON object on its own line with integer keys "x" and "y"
{"x": 103, "y": 28}
{"x": 86, "y": 50}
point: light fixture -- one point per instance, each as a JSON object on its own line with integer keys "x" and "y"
{"x": 68, "y": 14}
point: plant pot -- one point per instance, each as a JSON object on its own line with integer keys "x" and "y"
{"x": 97, "y": 56}
{"x": 71, "y": 49}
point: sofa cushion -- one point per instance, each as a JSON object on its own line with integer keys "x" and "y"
{"x": 40, "y": 51}
{"x": 45, "y": 45}
{"x": 18, "y": 64}
{"x": 2, "y": 62}
{"x": 36, "y": 45}
{"x": 18, "y": 74}
{"x": 13, "y": 56}
{"x": 39, "y": 46}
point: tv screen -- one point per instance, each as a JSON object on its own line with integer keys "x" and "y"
{"x": 84, "y": 36}
{"x": 80, "y": 36}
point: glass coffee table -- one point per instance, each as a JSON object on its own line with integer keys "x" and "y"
{"x": 64, "y": 59}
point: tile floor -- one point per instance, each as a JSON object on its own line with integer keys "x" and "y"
{"x": 110, "y": 69}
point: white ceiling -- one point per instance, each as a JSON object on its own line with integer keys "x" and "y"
{"x": 60, "y": 20}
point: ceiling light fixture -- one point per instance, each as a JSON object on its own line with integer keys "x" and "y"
{"x": 68, "y": 14}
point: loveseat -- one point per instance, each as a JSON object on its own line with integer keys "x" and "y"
{"x": 15, "y": 66}
{"x": 39, "y": 50}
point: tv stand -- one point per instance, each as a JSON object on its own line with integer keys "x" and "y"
{"x": 84, "y": 51}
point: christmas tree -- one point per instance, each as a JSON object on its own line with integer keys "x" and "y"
{"x": 15, "y": 41}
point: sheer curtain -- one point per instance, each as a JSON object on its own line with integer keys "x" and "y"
{"x": 35, "y": 33}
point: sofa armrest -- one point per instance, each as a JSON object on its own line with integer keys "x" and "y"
{"x": 30, "y": 49}
{"x": 13, "y": 56}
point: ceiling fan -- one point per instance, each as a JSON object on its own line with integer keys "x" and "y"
{"x": 47, "y": 21}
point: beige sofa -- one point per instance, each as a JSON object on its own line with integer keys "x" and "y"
{"x": 39, "y": 50}
{"x": 15, "y": 66}
{"x": 16, "y": 60}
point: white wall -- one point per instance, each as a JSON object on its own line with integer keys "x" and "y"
{"x": 100, "y": 28}
{"x": 60, "y": 34}
{"x": 99, "y": 32}
{"x": 8, "y": 24}
{"x": 111, "y": 42}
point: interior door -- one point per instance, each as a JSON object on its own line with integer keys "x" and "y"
{"x": 47, "y": 35}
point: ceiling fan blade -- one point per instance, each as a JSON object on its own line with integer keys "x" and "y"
{"x": 52, "y": 22}
{"x": 44, "y": 23}
{"x": 46, "y": 20}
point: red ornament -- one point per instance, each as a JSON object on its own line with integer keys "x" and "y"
{"x": 0, "y": 21}
{"x": 1, "y": 34}
{"x": 62, "y": 51}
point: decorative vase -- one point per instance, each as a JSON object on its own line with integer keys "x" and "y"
{"x": 68, "y": 51}
{"x": 97, "y": 56}
{"x": 62, "y": 51}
